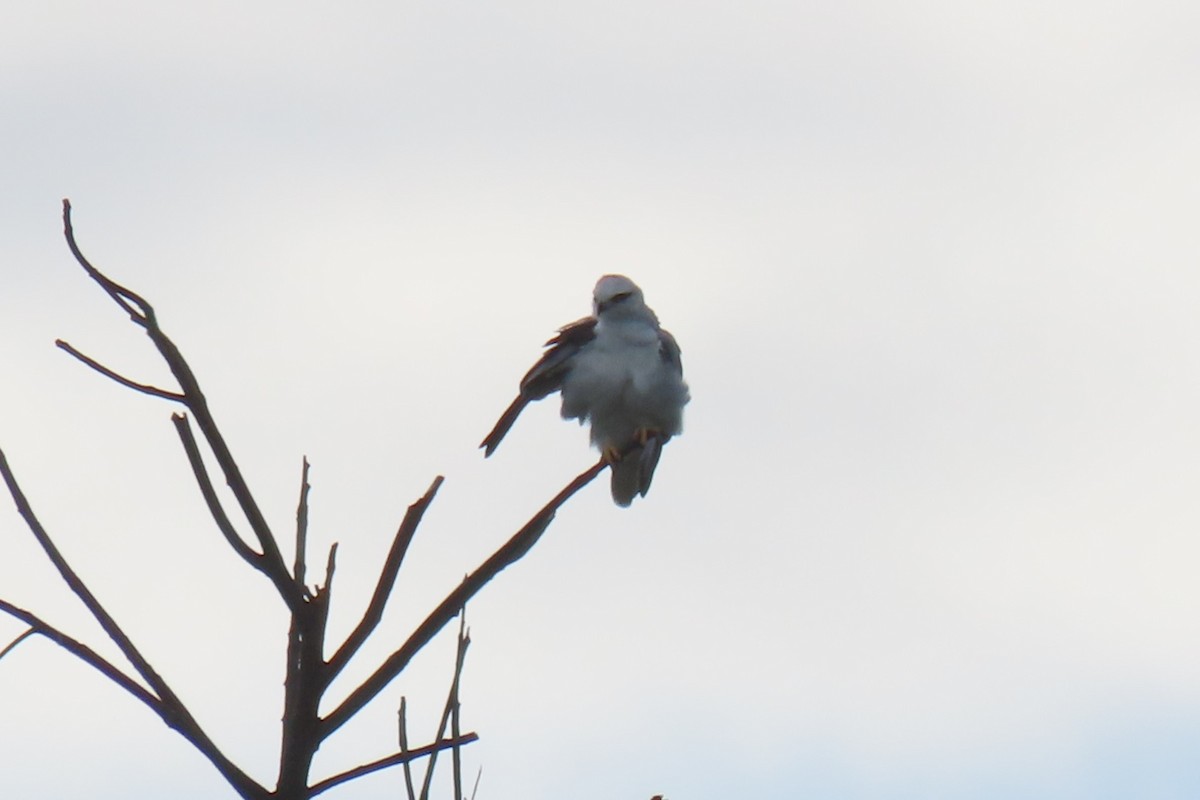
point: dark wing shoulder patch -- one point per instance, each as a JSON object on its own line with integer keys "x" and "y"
{"x": 579, "y": 333}
{"x": 547, "y": 374}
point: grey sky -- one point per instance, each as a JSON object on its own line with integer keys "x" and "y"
{"x": 931, "y": 529}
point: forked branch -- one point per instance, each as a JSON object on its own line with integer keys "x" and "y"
{"x": 144, "y": 388}
{"x": 209, "y": 492}
{"x": 510, "y": 552}
{"x": 165, "y": 703}
{"x": 308, "y": 674}
{"x": 450, "y": 714}
{"x": 387, "y": 580}
{"x": 142, "y": 314}
{"x": 39, "y": 627}
{"x": 390, "y": 761}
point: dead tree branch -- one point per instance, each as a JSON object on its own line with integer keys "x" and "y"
{"x": 167, "y": 704}
{"x": 391, "y": 761}
{"x": 464, "y": 641}
{"x": 8, "y": 648}
{"x": 450, "y": 714}
{"x": 209, "y": 493}
{"x": 298, "y": 566}
{"x": 142, "y": 314}
{"x": 144, "y": 388}
{"x": 510, "y": 552}
{"x": 402, "y": 737}
{"x": 387, "y": 580}
{"x": 39, "y": 627}
{"x": 308, "y": 675}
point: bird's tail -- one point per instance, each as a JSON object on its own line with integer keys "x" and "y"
{"x": 505, "y": 422}
{"x": 631, "y": 475}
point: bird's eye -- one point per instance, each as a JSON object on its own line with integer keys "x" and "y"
{"x": 616, "y": 298}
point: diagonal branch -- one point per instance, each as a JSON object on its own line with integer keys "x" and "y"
{"x": 84, "y": 653}
{"x": 390, "y": 761}
{"x": 272, "y": 559}
{"x": 387, "y": 580}
{"x": 173, "y": 711}
{"x": 73, "y": 581}
{"x": 143, "y": 315}
{"x": 8, "y": 648}
{"x": 210, "y": 494}
{"x": 144, "y": 388}
{"x": 510, "y": 552}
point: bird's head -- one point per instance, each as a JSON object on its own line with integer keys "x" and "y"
{"x": 614, "y": 293}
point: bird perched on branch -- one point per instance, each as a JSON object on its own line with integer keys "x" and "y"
{"x": 618, "y": 370}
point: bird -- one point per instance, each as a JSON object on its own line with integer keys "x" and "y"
{"x": 618, "y": 370}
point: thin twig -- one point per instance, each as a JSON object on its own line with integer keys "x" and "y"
{"x": 144, "y": 388}
{"x": 120, "y": 295}
{"x": 84, "y": 653}
{"x": 13, "y": 644}
{"x": 390, "y": 761}
{"x": 402, "y": 736}
{"x": 298, "y": 568}
{"x": 450, "y": 712}
{"x": 464, "y": 641}
{"x": 387, "y": 580}
{"x": 330, "y": 566}
{"x": 323, "y": 596}
{"x": 248, "y": 554}
{"x": 510, "y": 552}
{"x": 475, "y": 788}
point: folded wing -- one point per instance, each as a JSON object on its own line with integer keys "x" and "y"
{"x": 545, "y": 377}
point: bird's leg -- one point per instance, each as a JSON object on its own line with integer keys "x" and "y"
{"x": 610, "y": 453}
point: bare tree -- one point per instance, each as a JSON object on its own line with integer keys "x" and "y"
{"x": 309, "y": 670}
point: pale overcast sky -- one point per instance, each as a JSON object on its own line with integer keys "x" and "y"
{"x": 932, "y": 529}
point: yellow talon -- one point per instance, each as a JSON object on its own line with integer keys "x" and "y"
{"x": 610, "y": 453}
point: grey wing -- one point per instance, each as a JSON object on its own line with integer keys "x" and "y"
{"x": 668, "y": 348}
{"x": 545, "y": 377}
{"x": 673, "y": 392}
